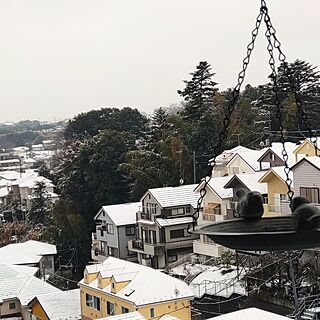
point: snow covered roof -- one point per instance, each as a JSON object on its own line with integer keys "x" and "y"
{"x": 29, "y": 252}
{"x": 126, "y": 316}
{"x": 11, "y": 271}
{"x": 61, "y": 305}
{"x": 31, "y": 182}
{"x": 251, "y": 158}
{"x": 4, "y": 192}
{"x": 315, "y": 161}
{"x": 250, "y": 314}
{"x": 10, "y": 161}
{"x": 25, "y": 288}
{"x": 277, "y": 148}
{"x": 10, "y": 175}
{"x": 226, "y": 155}
{"x": 175, "y": 196}
{"x": 250, "y": 180}
{"x": 217, "y": 185}
{"x": 173, "y": 221}
{"x": 121, "y": 214}
{"x": 140, "y": 289}
{"x": 278, "y": 171}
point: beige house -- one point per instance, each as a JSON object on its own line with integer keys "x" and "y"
{"x": 216, "y": 207}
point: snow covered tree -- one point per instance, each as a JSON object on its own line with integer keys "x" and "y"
{"x": 159, "y": 124}
{"x": 198, "y": 93}
{"x": 306, "y": 80}
{"x": 89, "y": 124}
{"x": 39, "y": 212}
{"x": 89, "y": 174}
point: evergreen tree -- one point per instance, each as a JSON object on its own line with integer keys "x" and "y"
{"x": 159, "y": 124}
{"x": 306, "y": 80}
{"x": 39, "y": 212}
{"x": 198, "y": 93}
{"x": 89, "y": 174}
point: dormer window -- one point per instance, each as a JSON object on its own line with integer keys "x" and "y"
{"x": 177, "y": 211}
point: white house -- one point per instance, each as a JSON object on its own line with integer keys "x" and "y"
{"x": 306, "y": 176}
{"x": 115, "y": 226}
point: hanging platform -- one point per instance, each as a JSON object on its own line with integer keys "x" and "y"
{"x": 265, "y": 234}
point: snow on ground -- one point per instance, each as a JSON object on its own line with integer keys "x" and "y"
{"x": 217, "y": 281}
{"x": 188, "y": 269}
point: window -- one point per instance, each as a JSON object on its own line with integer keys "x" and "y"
{"x": 312, "y": 194}
{"x": 152, "y": 313}
{"x": 92, "y": 302}
{"x": 12, "y": 305}
{"x": 124, "y": 310}
{"x": 177, "y": 211}
{"x": 179, "y": 233}
{"x": 112, "y": 252}
{"x": 101, "y": 232}
{"x": 96, "y": 303}
{"x": 130, "y": 231}
{"x": 188, "y": 209}
{"x": 110, "y": 228}
{"x": 110, "y": 308}
{"x": 89, "y": 300}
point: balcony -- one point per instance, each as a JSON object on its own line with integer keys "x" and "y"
{"x": 207, "y": 249}
{"x": 146, "y": 248}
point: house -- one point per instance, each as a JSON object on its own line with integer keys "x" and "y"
{"x": 17, "y": 288}
{"x": 117, "y": 286}
{"x": 247, "y": 162}
{"x": 116, "y": 225}
{"x": 306, "y": 176}
{"x": 163, "y": 221}
{"x": 306, "y": 149}
{"x": 30, "y": 253}
{"x": 272, "y": 156}
{"x": 56, "y": 306}
{"x": 216, "y": 205}
{"x": 220, "y": 168}
{"x": 23, "y": 190}
{"x": 275, "y": 178}
{"x": 247, "y": 182}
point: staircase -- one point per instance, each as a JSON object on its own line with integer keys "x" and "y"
{"x": 308, "y": 309}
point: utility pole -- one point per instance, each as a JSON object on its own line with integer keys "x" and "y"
{"x": 194, "y": 167}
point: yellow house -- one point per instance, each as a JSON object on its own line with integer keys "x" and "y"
{"x": 306, "y": 149}
{"x": 56, "y": 306}
{"x": 117, "y": 287}
{"x": 277, "y": 191}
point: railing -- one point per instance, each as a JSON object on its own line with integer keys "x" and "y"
{"x": 208, "y": 217}
{"x": 305, "y": 304}
{"x": 137, "y": 244}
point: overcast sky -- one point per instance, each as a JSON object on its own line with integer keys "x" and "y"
{"x": 62, "y": 57}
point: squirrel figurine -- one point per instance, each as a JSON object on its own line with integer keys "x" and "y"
{"x": 305, "y": 216}
{"x": 250, "y": 205}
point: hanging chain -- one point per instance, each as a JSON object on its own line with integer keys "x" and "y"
{"x": 270, "y": 34}
{"x": 227, "y": 119}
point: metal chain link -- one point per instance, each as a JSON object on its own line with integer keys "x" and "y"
{"x": 227, "y": 119}
{"x": 270, "y": 34}
{"x": 288, "y": 73}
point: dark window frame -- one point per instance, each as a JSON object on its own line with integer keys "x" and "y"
{"x": 311, "y": 193}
